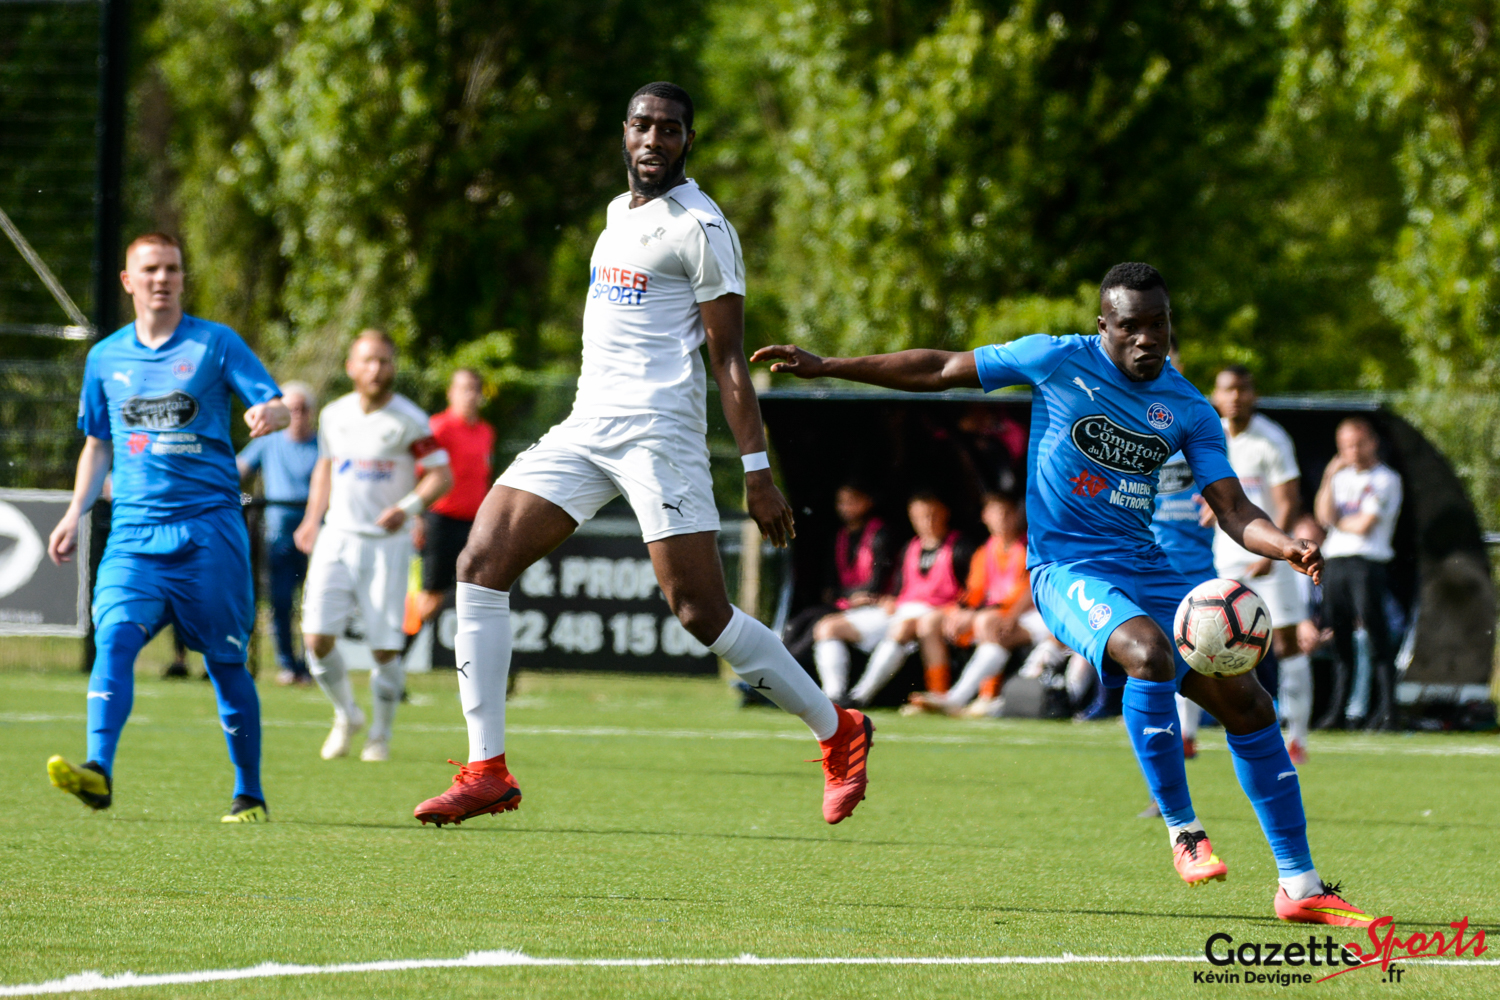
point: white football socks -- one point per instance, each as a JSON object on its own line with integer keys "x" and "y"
{"x": 387, "y": 684}
{"x": 333, "y": 678}
{"x": 481, "y": 649}
{"x": 1189, "y": 714}
{"x": 760, "y": 659}
{"x": 988, "y": 661}
{"x": 1309, "y": 883}
{"x": 832, "y": 659}
{"x": 884, "y": 663}
{"x": 1297, "y": 695}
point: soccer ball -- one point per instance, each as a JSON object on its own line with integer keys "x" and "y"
{"x": 1222, "y": 628}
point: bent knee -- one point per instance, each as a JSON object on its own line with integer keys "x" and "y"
{"x": 319, "y": 645}
{"x": 1146, "y": 655}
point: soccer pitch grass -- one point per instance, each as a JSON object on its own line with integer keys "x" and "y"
{"x": 660, "y": 821}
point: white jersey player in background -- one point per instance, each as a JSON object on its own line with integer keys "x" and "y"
{"x": 370, "y": 443}
{"x": 666, "y": 277}
{"x": 1261, "y": 453}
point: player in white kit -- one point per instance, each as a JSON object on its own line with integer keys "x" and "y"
{"x": 370, "y": 444}
{"x": 1261, "y": 453}
{"x": 667, "y": 276}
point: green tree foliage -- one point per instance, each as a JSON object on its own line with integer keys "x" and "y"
{"x": 957, "y": 173}
{"x": 429, "y": 167}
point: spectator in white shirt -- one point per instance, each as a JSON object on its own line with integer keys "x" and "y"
{"x": 1359, "y": 501}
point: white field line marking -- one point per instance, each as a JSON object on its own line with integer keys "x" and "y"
{"x": 85, "y": 981}
{"x": 1075, "y": 739}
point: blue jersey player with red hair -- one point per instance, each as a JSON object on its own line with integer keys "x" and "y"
{"x": 155, "y": 411}
{"x": 1107, "y": 413}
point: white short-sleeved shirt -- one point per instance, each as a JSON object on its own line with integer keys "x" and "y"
{"x": 1262, "y": 457}
{"x": 374, "y": 458}
{"x": 641, "y": 325}
{"x": 1376, "y": 490}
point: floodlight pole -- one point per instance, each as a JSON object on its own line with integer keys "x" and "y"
{"x": 114, "y": 53}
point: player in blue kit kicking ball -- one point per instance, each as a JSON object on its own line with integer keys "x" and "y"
{"x": 1107, "y": 413}
{"x": 155, "y": 406}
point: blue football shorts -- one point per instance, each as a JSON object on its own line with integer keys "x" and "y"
{"x": 1084, "y": 601}
{"x": 193, "y": 574}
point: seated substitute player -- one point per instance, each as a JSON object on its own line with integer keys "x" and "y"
{"x": 997, "y": 611}
{"x": 667, "y": 276}
{"x": 1107, "y": 413}
{"x": 369, "y": 445}
{"x": 858, "y": 575}
{"x": 1261, "y": 452}
{"x": 927, "y": 580}
{"x": 155, "y": 406}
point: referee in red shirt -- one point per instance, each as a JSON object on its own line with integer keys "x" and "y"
{"x": 444, "y": 528}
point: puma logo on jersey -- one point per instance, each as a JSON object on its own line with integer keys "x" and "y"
{"x": 122, "y": 377}
{"x": 713, "y": 225}
{"x": 1088, "y": 390}
{"x": 1075, "y": 592}
{"x": 667, "y": 506}
{"x": 238, "y": 643}
{"x": 1154, "y": 730}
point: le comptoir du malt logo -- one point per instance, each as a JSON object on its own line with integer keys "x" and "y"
{"x": 1316, "y": 960}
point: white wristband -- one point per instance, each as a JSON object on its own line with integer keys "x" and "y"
{"x": 411, "y": 504}
{"x": 755, "y": 461}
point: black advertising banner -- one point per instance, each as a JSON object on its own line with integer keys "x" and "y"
{"x": 38, "y": 597}
{"x": 593, "y": 604}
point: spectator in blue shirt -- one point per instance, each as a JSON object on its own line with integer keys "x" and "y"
{"x": 285, "y": 462}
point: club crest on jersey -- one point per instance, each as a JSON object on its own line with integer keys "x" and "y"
{"x": 1158, "y": 416}
{"x": 184, "y": 369}
{"x": 160, "y": 413}
{"x": 1117, "y": 448}
{"x": 1099, "y": 617}
{"x": 646, "y": 238}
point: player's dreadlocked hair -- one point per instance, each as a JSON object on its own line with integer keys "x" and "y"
{"x": 1136, "y": 277}
{"x": 667, "y": 92}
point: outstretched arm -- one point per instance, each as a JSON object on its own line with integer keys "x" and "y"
{"x": 724, "y": 326}
{"x": 913, "y": 371}
{"x": 1252, "y": 528}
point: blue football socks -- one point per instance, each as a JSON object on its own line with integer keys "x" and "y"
{"x": 1151, "y": 720}
{"x": 112, "y": 688}
{"x": 239, "y": 716}
{"x": 1270, "y": 781}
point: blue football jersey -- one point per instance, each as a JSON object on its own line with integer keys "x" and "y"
{"x": 1097, "y": 441}
{"x": 1189, "y": 545}
{"x": 166, "y": 410}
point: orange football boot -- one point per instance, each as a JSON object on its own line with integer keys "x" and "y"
{"x": 1195, "y": 860}
{"x": 844, "y": 758}
{"x": 1189, "y": 747}
{"x": 1327, "y": 907}
{"x": 1296, "y": 751}
{"x": 485, "y": 786}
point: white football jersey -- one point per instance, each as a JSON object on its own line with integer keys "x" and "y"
{"x": 1262, "y": 457}
{"x": 642, "y": 328}
{"x": 374, "y": 458}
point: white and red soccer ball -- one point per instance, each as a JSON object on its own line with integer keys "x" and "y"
{"x": 1222, "y": 628}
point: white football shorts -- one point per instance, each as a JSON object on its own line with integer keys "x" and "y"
{"x": 872, "y": 622}
{"x": 347, "y": 572}
{"x": 1278, "y": 589}
{"x": 659, "y": 465}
